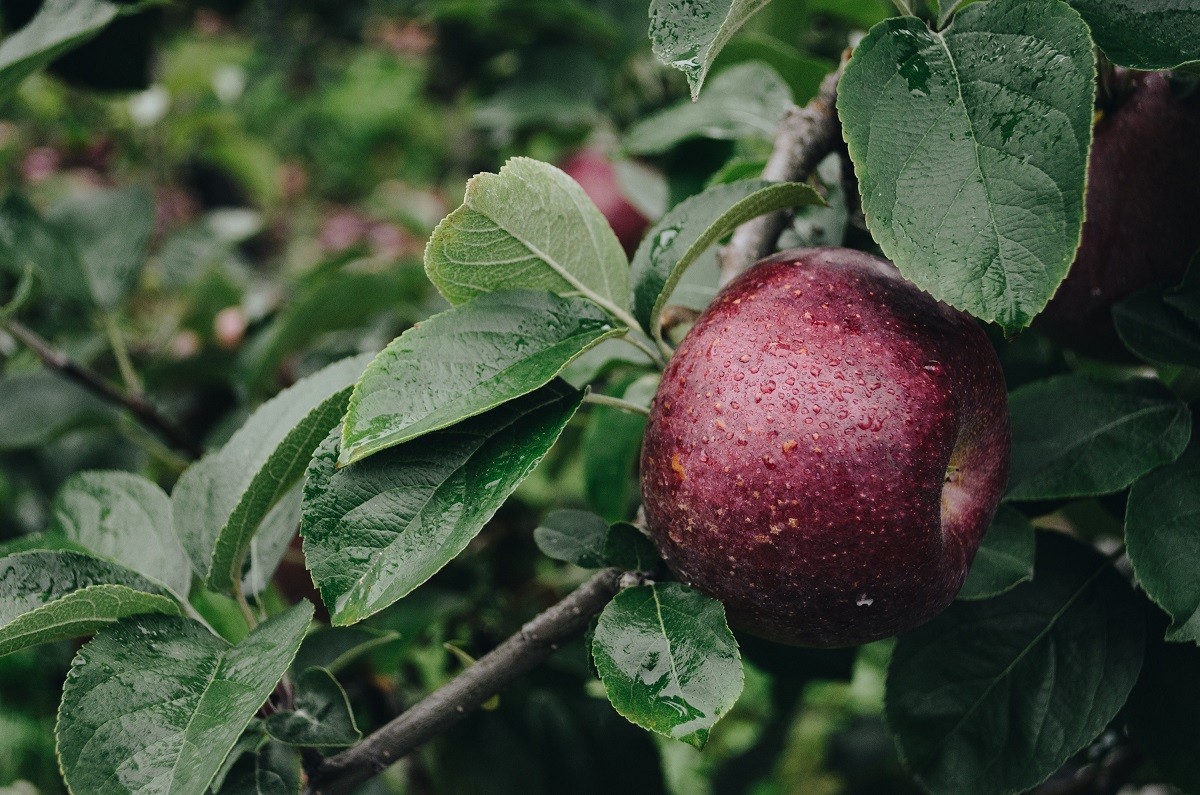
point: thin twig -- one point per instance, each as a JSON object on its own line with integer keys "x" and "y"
{"x": 616, "y": 403}
{"x": 141, "y": 408}
{"x": 490, "y": 674}
{"x": 805, "y": 136}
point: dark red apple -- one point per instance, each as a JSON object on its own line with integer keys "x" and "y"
{"x": 596, "y": 175}
{"x": 826, "y": 450}
{"x": 1143, "y": 212}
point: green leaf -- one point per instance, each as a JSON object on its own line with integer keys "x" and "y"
{"x": 40, "y": 406}
{"x": 1075, "y": 436}
{"x": 802, "y": 72}
{"x": 465, "y": 361}
{"x": 1157, "y": 331}
{"x": 26, "y": 240}
{"x": 220, "y": 502}
{"x": 694, "y": 225}
{"x": 273, "y": 769}
{"x": 747, "y": 100}
{"x": 272, "y": 541}
{"x": 993, "y": 696}
{"x": 49, "y": 595}
{"x": 109, "y": 230}
{"x": 971, "y": 148}
{"x": 668, "y": 660}
{"x": 688, "y": 34}
{"x": 375, "y": 530}
{"x": 1164, "y": 709}
{"x": 1162, "y": 533}
{"x": 627, "y": 547}
{"x": 59, "y": 26}
{"x": 529, "y": 227}
{"x": 1004, "y": 559}
{"x": 21, "y": 295}
{"x": 573, "y": 536}
{"x": 1186, "y": 296}
{"x": 334, "y": 648}
{"x": 612, "y": 441}
{"x": 321, "y": 717}
{"x": 167, "y": 701}
{"x": 1144, "y": 34}
{"x": 125, "y": 518}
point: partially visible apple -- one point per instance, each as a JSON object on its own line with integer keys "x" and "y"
{"x": 596, "y": 175}
{"x": 826, "y": 450}
{"x": 1143, "y": 212}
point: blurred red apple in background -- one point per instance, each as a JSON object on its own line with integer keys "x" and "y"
{"x": 597, "y": 176}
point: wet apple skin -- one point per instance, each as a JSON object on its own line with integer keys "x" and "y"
{"x": 796, "y": 458}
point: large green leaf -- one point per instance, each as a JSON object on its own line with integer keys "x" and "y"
{"x": 108, "y": 229}
{"x": 668, "y": 660}
{"x": 155, "y": 704}
{"x": 126, "y": 518}
{"x": 694, "y": 225}
{"x": 688, "y": 34}
{"x": 220, "y": 502}
{"x": 321, "y": 717}
{"x": 1005, "y": 558}
{"x": 745, "y": 100}
{"x": 1157, "y": 330}
{"x": 465, "y": 361}
{"x": 993, "y": 696}
{"x": 40, "y": 406}
{"x": 1075, "y": 436}
{"x": 971, "y": 147}
{"x": 1144, "y": 34}
{"x": 529, "y": 227}
{"x": 375, "y": 530}
{"x": 48, "y": 595}
{"x": 1162, "y": 533}
{"x": 59, "y": 26}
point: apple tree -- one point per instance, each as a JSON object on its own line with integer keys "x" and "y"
{"x": 945, "y": 436}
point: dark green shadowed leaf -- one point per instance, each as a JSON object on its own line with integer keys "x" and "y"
{"x": 375, "y": 530}
{"x": 220, "y": 501}
{"x": 529, "y": 227}
{"x": 126, "y": 518}
{"x": 970, "y": 159}
{"x": 668, "y": 660}
{"x": 747, "y": 100}
{"x": 612, "y": 441}
{"x": 1075, "y": 436}
{"x": 689, "y": 229}
{"x": 52, "y": 595}
{"x": 1162, "y": 533}
{"x": 40, "y": 406}
{"x": 334, "y": 648}
{"x": 465, "y": 361}
{"x": 1005, "y": 559}
{"x": 109, "y": 230}
{"x": 573, "y": 536}
{"x": 27, "y": 240}
{"x": 1144, "y": 34}
{"x": 155, "y": 704}
{"x": 1156, "y": 330}
{"x": 60, "y": 25}
{"x": 321, "y": 717}
{"x": 689, "y": 34}
{"x": 627, "y": 547}
{"x": 1186, "y": 296}
{"x": 272, "y": 769}
{"x": 993, "y": 696}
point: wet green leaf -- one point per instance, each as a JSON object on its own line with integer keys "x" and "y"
{"x": 465, "y": 361}
{"x": 155, "y": 704}
{"x": 59, "y": 26}
{"x": 971, "y": 159}
{"x": 573, "y": 536}
{"x": 689, "y": 34}
{"x": 1075, "y": 436}
{"x": 747, "y": 100}
{"x": 692, "y": 227}
{"x": 50, "y": 595}
{"x": 125, "y": 518}
{"x": 321, "y": 717}
{"x": 1004, "y": 559}
{"x": 668, "y": 660}
{"x": 1144, "y": 34}
{"x": 529, "y": 227}
{"x": 1162, "y": 533}
{"x": 993, "y": 696}
{"x": 375, "y": 530}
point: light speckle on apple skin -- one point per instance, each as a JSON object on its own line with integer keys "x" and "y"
{"x": 800, "y": 442}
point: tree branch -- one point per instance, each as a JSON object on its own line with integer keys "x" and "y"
{"x": 805, "y": 136}
{"x": 449, "y": 704}
{"x": 141, "y": 408}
